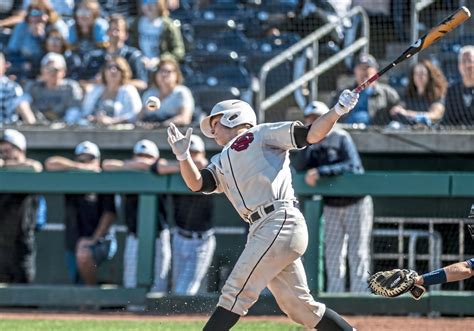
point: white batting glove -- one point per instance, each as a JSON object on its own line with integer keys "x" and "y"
{"x": 347, "y": 101}
{"x": 179, "y": 143}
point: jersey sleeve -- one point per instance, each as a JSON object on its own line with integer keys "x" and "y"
{"x": 212, "y": 170}
{"x": 470, "y": 262}
{"x": 281, "y": 134}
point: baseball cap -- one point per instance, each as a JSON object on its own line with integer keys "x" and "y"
{"x": 366, "y": 59}
{"x": 316, "y": 108}
{"x": 14, "y": 137}
{"x": 146, "y": 147}
{"x": 87, "y": 147}
{"x": 54, "y": 60}
{"x": 197, "y": 144}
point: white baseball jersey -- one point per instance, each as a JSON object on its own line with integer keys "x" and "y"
{"x": 253, "y": 168}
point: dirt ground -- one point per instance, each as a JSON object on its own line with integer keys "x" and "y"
{"x": 361, "y": 323}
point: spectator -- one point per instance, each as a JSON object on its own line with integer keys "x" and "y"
{"x": 53, "y": 97}
{"x": 344, "y": 217}
{"x": 12, "y": 106}
{"x": 177, "y": 102}
{"x": 88, "y": 30}
{"x": 90, "y": 237}
{"x": 115, "y": 101}
{"x": 145, "y": 156}
{"x": 460, "y": 95}
{"x": 17, "y": 216}
{"x": 156, "y": 34}
{"x": 118, "y": 35}
{"x": 424, "y": 100}
{"x": 25, "y": 47}
{"x": 126, "y": 8}
{"x": 19, "y": 9}
{"x": 194, "y": 242}
{"x": 376, "y": 100}
{"x": 55, "y": 43}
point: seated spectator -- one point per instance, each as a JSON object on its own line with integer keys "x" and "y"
{"x": 55, "y": 43}
{"x": 460, "y": 95}
{"x": 88, "y": 30}
{"x": 156, "y": 34}
{"x": 52, "y": 97}
{"x": 126, "y": 8}
{"x": 115, "y": 101}
{"x": 25, "y": 47}
{"x": 17, "y": 215}
{"x": 344, "y": 217}
{"x": 376, "y": 100}
{"x": 177, "y": 102}
{"x": 18, "y": 10}
{"x": 12, "y": 106}
{"x": 145, "y": 156}
{"x": 424, "y": 100}
{"x": 118, "y": 35}
{"x": 90, "y": 237}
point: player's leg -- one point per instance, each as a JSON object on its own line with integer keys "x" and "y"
{"x": 162, "y": 261}
{"x": 271, "y": 246}
{"x": 335, "y": 248}
{"x": 332, "y": 321}
{"x": 130, "y": 261}
{"x": 291, "y": 292}
{"x": 359, "y": 224}
{"x": 86, "y": 264}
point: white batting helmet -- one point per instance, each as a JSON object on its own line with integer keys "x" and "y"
{"x": 235, "y": 112}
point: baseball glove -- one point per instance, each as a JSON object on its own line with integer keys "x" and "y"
{"x": 392, "y": 283}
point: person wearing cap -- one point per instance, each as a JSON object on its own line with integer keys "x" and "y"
{"x": 52, "y": 97}
{"x": 12, "y": 106}
{"x": 90, "y": 235}
{"x": 18, "y": 213}
{"x": 336, "y": 155}
{"x": 376, "y": 101}
{"x": 193, "y": 242}
{"x": 145, "y": 156}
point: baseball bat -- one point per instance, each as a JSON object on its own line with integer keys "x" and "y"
{"x": 448, "y": 24}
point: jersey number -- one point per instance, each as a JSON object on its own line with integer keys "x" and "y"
{"x": 243, "y": 142}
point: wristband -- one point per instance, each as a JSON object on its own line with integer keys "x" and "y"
{"x": 184, "y": 156}
{"x": 339, "y": 109}
{"x": 434, "y": 277}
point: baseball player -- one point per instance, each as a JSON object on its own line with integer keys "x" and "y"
{"x": 253, "y": 171}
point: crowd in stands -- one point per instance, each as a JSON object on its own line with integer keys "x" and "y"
{"x": 94, "y": 61}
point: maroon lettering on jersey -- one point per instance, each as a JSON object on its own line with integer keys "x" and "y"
{"x": 243, "y": 142}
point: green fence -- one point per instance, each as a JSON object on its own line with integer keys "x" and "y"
{"x": 378, "y": 184}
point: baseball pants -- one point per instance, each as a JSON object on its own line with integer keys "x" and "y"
{"x": 162, "y": 262}
{"x": 191, "y": 260}
{"x": 347, "y": 233}
{"x": 271, "y": 258}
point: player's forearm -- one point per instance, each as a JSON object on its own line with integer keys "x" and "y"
{"x": 458, "y": 271}
{"x": 104, "y": 224}
{"x": 191, "y": 174}
{"x": 321, "y": 127}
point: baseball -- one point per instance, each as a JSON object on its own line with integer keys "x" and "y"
{"x": 153, "y": 103}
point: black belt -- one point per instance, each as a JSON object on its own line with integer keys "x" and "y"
{"x": 255, "y": 216}
{"x": 194, "y": 234}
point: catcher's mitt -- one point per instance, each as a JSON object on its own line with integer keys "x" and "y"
{"x": 392, "y": 283}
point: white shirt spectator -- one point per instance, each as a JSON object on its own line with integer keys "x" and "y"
{"x": 181, "y": 97}
{"x": 126, "y": 105}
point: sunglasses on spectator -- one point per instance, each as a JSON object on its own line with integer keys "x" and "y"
{"x": 51, "y": 69}
{"x": 83, "y": 12}
{"x": 55, "y": 40}
{"x": 166, "y": 71}
{"x": 36, "y": 13}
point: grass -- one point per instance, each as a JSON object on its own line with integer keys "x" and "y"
{"x": 107, "y": 325}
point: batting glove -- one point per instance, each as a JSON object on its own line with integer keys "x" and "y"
{"x": 179, "y": 143}
{"x": 347, "y": 101}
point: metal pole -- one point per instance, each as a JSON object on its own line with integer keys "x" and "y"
{"x": 414, "y": 27}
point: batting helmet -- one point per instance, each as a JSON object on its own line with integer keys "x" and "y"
{"x": 235, "y": 112}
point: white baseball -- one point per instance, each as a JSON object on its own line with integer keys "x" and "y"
{"x": 153, "y": 103}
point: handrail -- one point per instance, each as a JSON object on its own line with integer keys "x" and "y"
{"x": 415, "y": 8}
{"x": 263, "y": 104}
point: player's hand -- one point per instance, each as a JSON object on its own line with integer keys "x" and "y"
{"x": 347, "y": 101}
{"x": 179, "y": 143}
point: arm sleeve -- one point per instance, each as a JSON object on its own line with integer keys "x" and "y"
{"x": 350, "y": 163}
{"x": 209, "y": 183}
{"x": 470, "y": 262}
{"x": 300, "y": 133}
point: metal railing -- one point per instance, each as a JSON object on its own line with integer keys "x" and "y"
{"x": 311, "y": 41}
{"x": 415, "y": 7}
